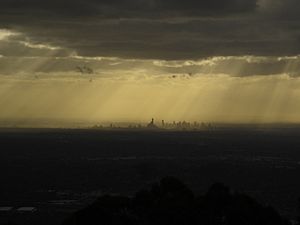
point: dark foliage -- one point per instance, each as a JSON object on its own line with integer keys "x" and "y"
{"x": 298, "y": 211}
{"x": 170, "y": 202}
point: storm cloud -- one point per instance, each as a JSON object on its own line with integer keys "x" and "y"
{"x": 158, "y": 29}
{"x": 128, "y": 8}
{"x": 204, "y": 60}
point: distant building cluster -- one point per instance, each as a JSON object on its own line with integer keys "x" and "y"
{"x": 183, "y": 125}
{"x": 163, "y": 125}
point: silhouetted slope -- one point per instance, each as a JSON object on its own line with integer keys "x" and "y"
{"x": 170, "y": 202}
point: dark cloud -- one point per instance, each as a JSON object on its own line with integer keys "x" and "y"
{"x": 127, "y": 8}
{"x": 280, "y": 9}
{"x": 160, "y": 29}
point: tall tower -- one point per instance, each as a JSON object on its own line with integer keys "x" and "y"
{"x": 152, "y": 125}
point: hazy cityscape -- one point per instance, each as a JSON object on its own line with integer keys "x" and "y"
{"x": 149, "y": 112}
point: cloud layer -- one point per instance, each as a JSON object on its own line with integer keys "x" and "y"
{"x": 128, "y": 8}
{"x": 159, "y": 29}
{"x": 203, "y": 60}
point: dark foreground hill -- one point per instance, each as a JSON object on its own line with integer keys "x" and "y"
{"x": 170, "y": 202}
{"x": 59, "y": 171}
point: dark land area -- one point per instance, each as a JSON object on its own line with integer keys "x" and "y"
{"x": 60, "y": 171}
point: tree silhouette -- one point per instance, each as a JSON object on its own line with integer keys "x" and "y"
{"x": 298, "y": 211}
{"x": 170, "y": 202}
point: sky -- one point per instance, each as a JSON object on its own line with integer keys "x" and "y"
{"x": 234, "y": 61}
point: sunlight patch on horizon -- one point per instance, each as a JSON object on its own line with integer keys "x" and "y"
{"x": 238, "y": 89}
{"x": 218, "y": 98}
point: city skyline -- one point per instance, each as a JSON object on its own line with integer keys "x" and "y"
{"x": 231, "y": 61}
